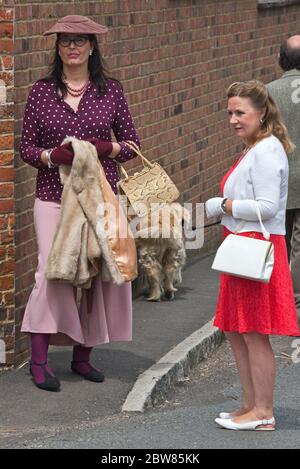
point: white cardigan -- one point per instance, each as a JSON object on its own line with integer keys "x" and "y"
{"x": 262, "y": 175}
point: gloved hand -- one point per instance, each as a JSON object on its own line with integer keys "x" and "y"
{"x": 213, "y": 207}
{"x": 63, "y": 154}
{"x": 103, "y": 148}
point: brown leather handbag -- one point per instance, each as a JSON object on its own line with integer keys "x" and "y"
{"x": 151, "y": 185}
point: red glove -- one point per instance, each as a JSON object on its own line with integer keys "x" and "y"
{"x": 103, "y": 148}
{"x": 63, "y": 154}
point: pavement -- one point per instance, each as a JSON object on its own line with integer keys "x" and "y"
{"x": 168, "y": 339}
{"x": 186, "y": 419}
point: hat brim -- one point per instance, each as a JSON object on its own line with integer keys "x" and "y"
{"x": 76, "y": 28}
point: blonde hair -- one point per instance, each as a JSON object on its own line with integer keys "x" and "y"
{"x": 261, "y": 99}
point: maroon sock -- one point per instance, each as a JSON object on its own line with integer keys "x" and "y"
{"x": 81, "y": 359}
{"x": 39, "y": 355}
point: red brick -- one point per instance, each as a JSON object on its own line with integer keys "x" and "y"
{"x": 6, "y": 237}
{"x": 6, "y": 174}
{"x": 6, "y": 205}
{"x": 6, "y": 158}
{"x": 6, "y": 29}
{"x": 6, "y": 45}
{"x": 6, "y": 112}
{"x": 6, "y": 190}
{"x": 6, "y": 142}
{"x": 6, "y": 14}
{"x": 8, "y": 298}
{"x": 11, "y": 251}
{"x": 6, "y": 283}
{"x": 4, "y": 220}
{"x": 3, "y": 252}
{"x": 6, "y": 126}
{"x": 7, "y": 267}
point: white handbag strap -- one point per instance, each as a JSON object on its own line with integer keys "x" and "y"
{"x": 241, "y": 225}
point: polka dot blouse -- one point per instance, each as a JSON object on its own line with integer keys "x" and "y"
{"x": 48, "y": 120}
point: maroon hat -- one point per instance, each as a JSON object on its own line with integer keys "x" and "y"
{"x": 76, "y": 24}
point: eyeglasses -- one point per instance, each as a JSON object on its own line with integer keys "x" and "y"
{"x": 79, "y": 41}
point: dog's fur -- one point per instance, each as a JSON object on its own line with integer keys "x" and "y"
{"x": 161, "y": 250}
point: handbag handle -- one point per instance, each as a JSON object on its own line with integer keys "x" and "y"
{"x": 136, "y": 149}
{"x": 241, "y": 225}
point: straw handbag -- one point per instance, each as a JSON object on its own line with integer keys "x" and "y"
{"x": 149, "y": 186}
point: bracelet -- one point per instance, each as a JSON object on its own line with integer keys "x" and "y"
{"x": 48, "y": 155}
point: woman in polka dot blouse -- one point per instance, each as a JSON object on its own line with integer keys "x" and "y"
{"x": 76, "y": 99}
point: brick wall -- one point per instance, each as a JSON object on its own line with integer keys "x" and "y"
{"x": 7, "y": 248}
{"x": 175, "y": 59}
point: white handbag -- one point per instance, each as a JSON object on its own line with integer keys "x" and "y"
{"x": 245, "y": 257}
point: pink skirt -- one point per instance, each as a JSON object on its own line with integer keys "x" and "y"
{"x": 52, "y": 307}
{"x": 246, "y": 306}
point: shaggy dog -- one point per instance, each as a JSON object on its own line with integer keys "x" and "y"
{"x": 161, "y": 251}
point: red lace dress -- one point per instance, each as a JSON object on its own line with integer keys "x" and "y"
{"x": 246, "y": 306}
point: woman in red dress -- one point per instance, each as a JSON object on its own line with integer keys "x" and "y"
{"x": 249, "y": 311}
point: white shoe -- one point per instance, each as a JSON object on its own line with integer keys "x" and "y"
{"x": 227, "y": 415}
{"x": 224, "y": 415}
{"x": 255, "y": 425}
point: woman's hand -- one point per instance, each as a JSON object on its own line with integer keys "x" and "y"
{"x": 213, "y": 207}
{"x": 103, "y": 148}
{"x": 63, "y": 154}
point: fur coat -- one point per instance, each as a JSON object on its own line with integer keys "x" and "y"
{"x": 93, "y": 235}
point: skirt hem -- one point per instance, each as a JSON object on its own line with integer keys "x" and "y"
{"x": 250, "y": 331}
{"x": 71, "y": 341}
